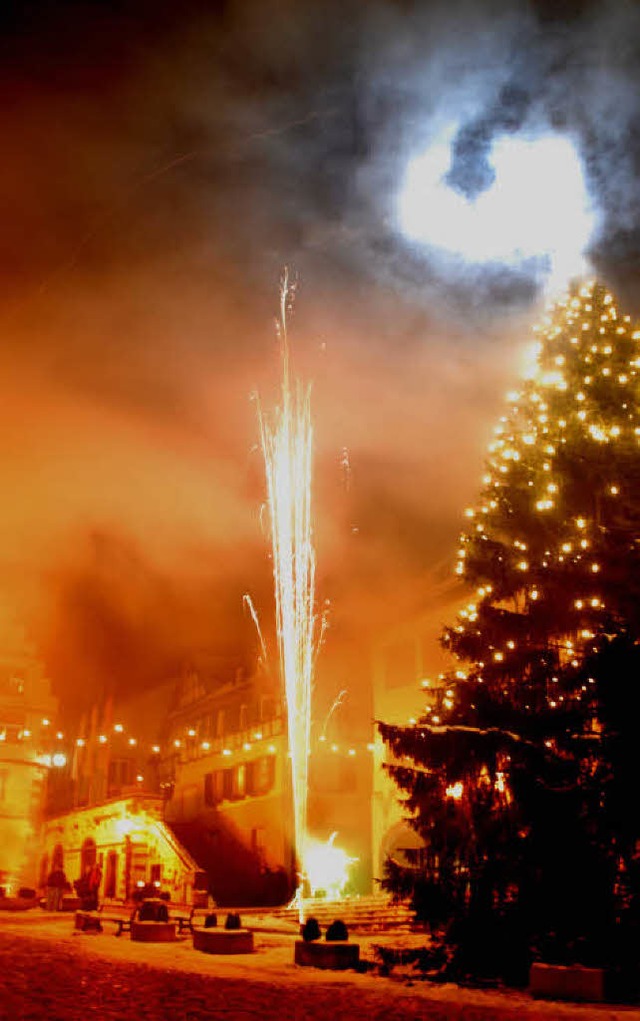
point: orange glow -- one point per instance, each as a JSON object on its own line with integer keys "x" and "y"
{"x": 327, "y": 867}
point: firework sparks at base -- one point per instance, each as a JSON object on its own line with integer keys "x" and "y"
{"x": 287, "y": 446}
{"x": 327, "y": 868}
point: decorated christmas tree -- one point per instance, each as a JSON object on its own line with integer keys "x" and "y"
{"x": 522, "y": 775}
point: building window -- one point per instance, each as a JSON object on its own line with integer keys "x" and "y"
{"x": 241, "y": 781}
{"x": 261, "y": 775}
{"x": 243, "y": 718}
{"x": 111, "y": 877}
{"x": 213, "y": 787}
{"x": 227, "y": 784}
{"x": 234, "y": 783}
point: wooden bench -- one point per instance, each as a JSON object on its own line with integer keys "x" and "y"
{"x": 123, "y": 922}
{"x": 184, "y": 921}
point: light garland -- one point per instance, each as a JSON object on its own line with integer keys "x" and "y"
{"x": 187, "y": 743}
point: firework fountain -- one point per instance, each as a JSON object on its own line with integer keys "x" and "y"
{"x": 287, "y": 450}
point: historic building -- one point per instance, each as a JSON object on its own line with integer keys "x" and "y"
{"x": 128, "y": 838}
{"x": 189, "y": 785}
{"x": 27, "y": 752}
{"x": 407, "y": 662}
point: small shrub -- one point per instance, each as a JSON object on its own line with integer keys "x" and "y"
{"x": 337, "y": 931}
{"x": 232, "y": 921}
{"x": 211, "y": 921}
{"x": 310, "y": 931}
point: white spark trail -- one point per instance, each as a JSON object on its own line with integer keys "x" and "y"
{"x": 248, "y": 602}
{"x": 287, "y": 450}
{"x": 336, "y": 702}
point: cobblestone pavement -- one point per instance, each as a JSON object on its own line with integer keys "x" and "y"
{"x": 47, "y": 974}
{"x": 45, "y": 982}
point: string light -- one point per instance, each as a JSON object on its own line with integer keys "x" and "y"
{"x": 543, "y": 417}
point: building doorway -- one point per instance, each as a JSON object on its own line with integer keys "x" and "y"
{"x": 87, "y": 855}
{"x": 111, "y": 875}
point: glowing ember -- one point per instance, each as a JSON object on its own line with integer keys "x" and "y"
{"x": 286, "y": 445}
{"x": 327, "y": 867}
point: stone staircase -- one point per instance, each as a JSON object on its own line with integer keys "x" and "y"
{"x": 374, "y": 913}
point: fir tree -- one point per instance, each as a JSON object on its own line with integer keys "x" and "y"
{"x": 522, "y": 776}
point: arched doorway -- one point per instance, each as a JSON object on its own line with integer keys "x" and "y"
{"x": 57, "y": 858}
{"x": 111, "y": 875}
{"x": 87, "y": 855}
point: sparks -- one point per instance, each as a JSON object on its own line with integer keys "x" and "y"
{"x": 248, "y": 602}
{"x": 287, "y": 450}
{"x": 327, "y": 868}
{"x": 338, "y": 700}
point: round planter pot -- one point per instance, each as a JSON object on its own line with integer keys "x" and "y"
{"x": 153, "y": 932}
{"x": 87, "y": 921}
{"x": 562, "y": 982}
{"x": 223, "y": 941}
{"x": 337, "y": 956}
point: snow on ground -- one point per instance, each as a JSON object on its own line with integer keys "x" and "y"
{"x": 49, "y": 972}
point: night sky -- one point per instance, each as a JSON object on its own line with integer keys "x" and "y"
{"x": 161, "y": 164}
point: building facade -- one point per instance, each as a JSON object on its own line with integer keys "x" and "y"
{"x": 128, "y": 838}
{"x": 406, "y": 667}
{"x": 27, "y": 709}
{"x": 191, "y": 784}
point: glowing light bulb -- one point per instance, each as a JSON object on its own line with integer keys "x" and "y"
{"x": 455, "y": 790}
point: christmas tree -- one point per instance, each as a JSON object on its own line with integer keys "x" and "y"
{"x": 522, "y": 775}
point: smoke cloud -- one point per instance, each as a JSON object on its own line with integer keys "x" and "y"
{"x": 162, "y": 164}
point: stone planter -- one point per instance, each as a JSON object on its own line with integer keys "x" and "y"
{"x": 87, "y": 921}
{"x": 153, "y": 932}
{"x": 223, "y": 941}
{"x": 337, "y": 956}
{"x": 70, "y": 903}
{"x": 17, "y": 904}
{"x": 566, "y": 982}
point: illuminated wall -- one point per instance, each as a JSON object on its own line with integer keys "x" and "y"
{"x": 406, "y": 663}
{"x": 129, "y": 840}
{"x": 26, "y": 708}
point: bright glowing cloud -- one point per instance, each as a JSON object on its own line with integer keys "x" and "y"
{"x": 327, "y": 867}
{"x": 537, "y": 206}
